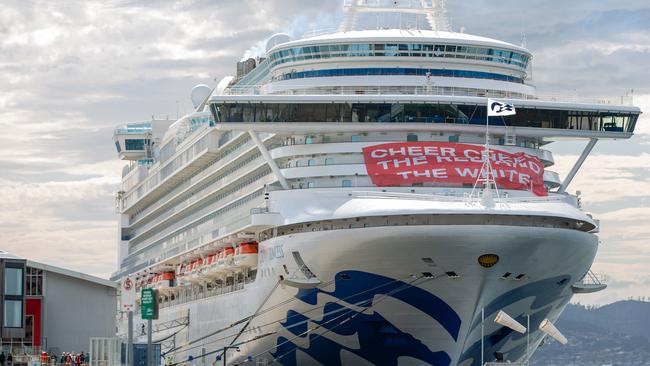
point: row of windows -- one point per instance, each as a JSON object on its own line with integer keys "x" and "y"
{"x": 399, "y": 71}
{"x": 424, "y": 113}
{"x": 399, "y": 49}
{"x": 232, "y": 150}
{"x": 216, "y": 183}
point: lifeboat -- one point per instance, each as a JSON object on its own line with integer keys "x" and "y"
{"x": 165, "y": 281}
{"x": 246, "y": 255}
{"x": 224, "y": 263}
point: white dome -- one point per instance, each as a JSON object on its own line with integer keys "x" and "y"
{"x": 200, "y": 93}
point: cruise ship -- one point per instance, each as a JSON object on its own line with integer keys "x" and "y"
{"x": 345, "y": 199}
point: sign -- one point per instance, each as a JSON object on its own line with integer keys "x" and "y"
{"x": 127, "y": 293}
{"x": 497, "y": 108}
{"x": 408, "y": 163}
{"x": 149, "y": 304}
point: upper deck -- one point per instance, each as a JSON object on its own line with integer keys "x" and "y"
{"x": 540, "y": 119}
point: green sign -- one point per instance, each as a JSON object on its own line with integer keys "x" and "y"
{"x": 149, "y": 304}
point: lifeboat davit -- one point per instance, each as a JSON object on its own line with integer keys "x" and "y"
{"x": 246, "y": 255}
{"x": 195, "y": 274}
{"x": 224, "y": 263}
{"x": 211, "y": 265}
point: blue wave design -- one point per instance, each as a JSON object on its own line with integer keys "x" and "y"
{"x": 381, "y": 342}
{"x": 545, "y": 293}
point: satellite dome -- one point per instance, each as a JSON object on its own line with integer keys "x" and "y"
{"x": 199, "y": 94}
{"x": 276, "y": 39}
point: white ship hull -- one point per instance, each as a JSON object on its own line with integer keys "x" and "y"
{"x": 414, "y": 319}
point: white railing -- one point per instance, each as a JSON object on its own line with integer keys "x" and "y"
{"x": 268, "y": 89}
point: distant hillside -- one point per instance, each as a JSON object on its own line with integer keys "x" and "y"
{"x": 617, "y": 334}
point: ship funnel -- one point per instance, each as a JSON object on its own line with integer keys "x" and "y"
{"x": 547, "y": 327}
{"x": 505, "y": 320}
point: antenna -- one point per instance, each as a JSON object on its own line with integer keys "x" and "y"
{"x": 433, "y": 10}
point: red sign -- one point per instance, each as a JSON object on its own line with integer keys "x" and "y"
{"x": 406, "y": 163}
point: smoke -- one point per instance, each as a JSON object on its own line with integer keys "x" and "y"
{"x": 300, "y": 27}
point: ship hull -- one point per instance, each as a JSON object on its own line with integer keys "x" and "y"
{"x": 407, "y": 295}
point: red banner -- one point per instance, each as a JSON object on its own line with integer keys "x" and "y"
{"x": 408, "y": 163}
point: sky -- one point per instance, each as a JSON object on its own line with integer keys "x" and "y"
{"x": 70, "y": 71}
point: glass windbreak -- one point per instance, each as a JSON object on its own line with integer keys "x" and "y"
{"x": 424, "y": 113}
{"x": 13, "y": 281}
{"x": 399, "y": 49}
{"x": 13, "y": 314}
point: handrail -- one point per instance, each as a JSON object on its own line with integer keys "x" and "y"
{"x": 298, "y": 89}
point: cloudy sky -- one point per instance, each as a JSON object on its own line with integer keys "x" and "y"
{"x": 72, "y": 70}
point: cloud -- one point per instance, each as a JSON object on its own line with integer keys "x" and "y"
{"x": 70, "y": 71}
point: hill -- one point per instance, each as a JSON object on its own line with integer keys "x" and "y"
{"x": 616, "y": 334}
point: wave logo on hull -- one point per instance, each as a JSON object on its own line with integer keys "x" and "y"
{"x": 381, "y": 343}
{"x": 546, "y": 294}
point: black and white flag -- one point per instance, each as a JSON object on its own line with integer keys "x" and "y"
{"x": 497, "y": 108}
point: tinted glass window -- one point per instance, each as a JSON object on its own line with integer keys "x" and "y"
{"x": 13, "y": 314}
{"x": 13, "y": 281}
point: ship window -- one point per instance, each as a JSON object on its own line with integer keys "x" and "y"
{"x": 310, "y": 185}
{"x": 346, "y": 183}
{"x": 329, "y": 161}
{"x": 309, "y": 140}
{"x": 411, "y": 137}
{"x": 453, "y": 138}
{"x": 117, "y": 145}
{"x": 311, "y": 162}
{"x": 134, "y": 144}
{"x": 355, "y": 138}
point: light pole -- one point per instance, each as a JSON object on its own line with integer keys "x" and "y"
{"x": 225, "y": 350}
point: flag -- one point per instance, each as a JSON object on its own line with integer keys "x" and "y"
{"x": 497, "y": 108}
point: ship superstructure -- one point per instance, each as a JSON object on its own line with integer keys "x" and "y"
{"x": 320, "y": 207}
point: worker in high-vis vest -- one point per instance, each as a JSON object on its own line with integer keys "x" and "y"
{"x": 170, "y": 360}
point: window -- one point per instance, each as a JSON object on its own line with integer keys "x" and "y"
{"x": 309, "y": 140}
{"x": 13, "y": 314}
{"x": 311, "y": 162}
{"x": 297, "y": 163}
{"x": 453, "y": 138}
{"x": 131, "y": 144}
{"x": 411, "y": 137}
{"x": 329, "y": 161}
{"x": 117, "y": 146}
{"x": 346, "y": 183}
{"x": 310, "y": 185}
{"x": 13, "y": 281}
{"x": 355, "y": 138}
{"x": 34, "y": 281}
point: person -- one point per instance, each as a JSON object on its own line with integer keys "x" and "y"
{"x": 3, "y": 358}
{"x": 10, "y": 359}
{"x": 82, "y": 358}
{"x": 77, "y": 360}
{"x": 68, "y": 359}
{"x": 62, "y": 360}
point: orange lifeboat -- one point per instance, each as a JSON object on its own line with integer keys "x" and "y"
{"x": 211, "y": 265}
{"x": 165, "y": 281}
{"x": 195, "y": 274}
{"x": 224, "y": 262}
{"x": 246, "y": 255}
